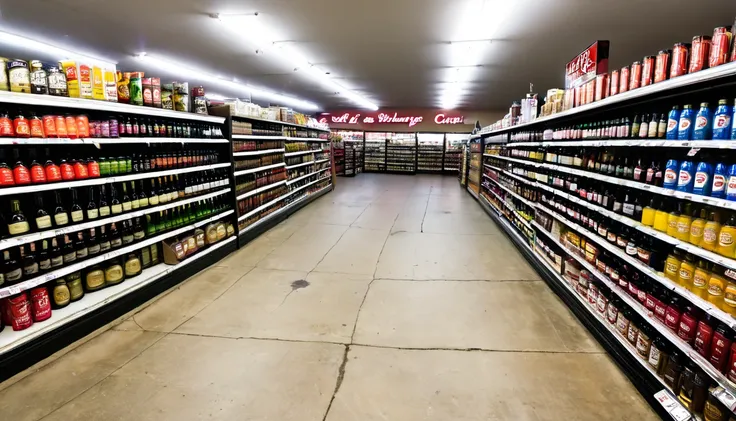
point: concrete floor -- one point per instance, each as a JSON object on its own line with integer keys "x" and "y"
{"x": 391, "y": 298}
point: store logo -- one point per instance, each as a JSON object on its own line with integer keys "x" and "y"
{"x": 388, "y": 118}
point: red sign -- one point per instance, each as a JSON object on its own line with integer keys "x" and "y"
{"x": 587, "y": 65}
{"x": 388, "y": 118}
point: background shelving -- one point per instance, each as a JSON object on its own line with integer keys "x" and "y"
{"x": 430, "y": 152}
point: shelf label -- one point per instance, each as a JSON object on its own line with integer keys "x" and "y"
{"x": 725, "y": 397}
{"x": 672, "y": 406}
{"x": 692, "y": 151}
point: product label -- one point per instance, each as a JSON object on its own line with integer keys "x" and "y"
{"x": 612, "y": 314}
{"x": 104, "y": 211}
{"x": 725, "y": 239}
{"x": 132, "y": 267}
{"x": 701, "y": 122}
{"x": 18, "y": 228}
{"x": 719, "y": 182}
{"x": 95, "y": 279}
{"x": 628, "y": 209}
{"x": 684, "y": 179}
{"x": 654, "y": 355}
{"x": 670, "y": 176}
{"x": 114, "y": 274}
{"x": 642, "y": 345}
{"x": 684, "y": 124}
{"x": 92, "y": 213}
{"x": 632, "y": 333}
{"x": 57, "y": 261}
{"x": 701, "y": 179}
{"x": 43, "y": 222}
{"x": 117, "y": 209}
{"x": 127, "y": 206}
{"x": 61, "y": 218}
{"x": 77, "y": 216}
{"x": 70, "y": 257}
{"x": 721, "y": 121}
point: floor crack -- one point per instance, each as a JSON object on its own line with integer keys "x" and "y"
{"x": 338, "y": 383}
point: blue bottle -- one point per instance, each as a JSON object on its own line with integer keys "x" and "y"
{"x": 720, "y": 177}
{"x": 731, "y": 186}
{"x": 703, "y": 179}
{"x": 671, "y": 173}
{"x": 722, "y": 121}
{"x": 673, "y": 122}
{"x": 685, "y": 127}
{"x": 703, "y": 123}
{"x": 733, "y": 126}
{"x": 686, "y": 178}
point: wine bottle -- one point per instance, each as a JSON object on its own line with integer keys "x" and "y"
{"x": 76, "y": 210}
{"x": 127, "y": 205}
{"x": 92, "y": 209}
{"x": 132, "y": 265}
{"x": 104, "y": 240}
{"x": 18, "y": 223}
{"x": 104, "y": 207}
{"x": 173, "y": 189}
{"x": 116, "y": 239}
{"x": 127, "y": 232}
{"x": 145, "y": 257}
{"x": 61, "y": 217}
{"x": 115, "y": 206}
{"x": 30, "y": 265}
{"x": 44, "y": 257}
{"x": 151, "y": 225}
{"x": 180, "y": 188}
{"x": 69, "y": 255}
{"x": 80, "y": 246}
{"x": 138, "y": 232}
{"x": 57, "y": 259}
{"x": 160, "y": 222}
{"x": 142, "y": 198}
{"x": 93, "y": 244}
{"x": 163, "y": 195}
{"x": 114, "y": 273}
{"x": 12, "y": 272}
{"x": 43, "y": 219}
{"x": 135, "y": 202}
{"x": 153, "y": 197}
{"x": 167, "y": 220}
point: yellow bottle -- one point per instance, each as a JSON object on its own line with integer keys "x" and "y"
{"x": 729, "y": 298}
{"x": 683, "y": 223}
{"x": 727, "y": 238}
{"x": 672, "y": 265}
{"x": 700, "y": 280}
{"x": 660, "y": 218}
{"x": 697, "y": 227}
{"x": 716, "y": 286}
{"x": 672, "y": 218}
{"x": 711, "y": 231}
{"x": 687, "y": 269}
{"x": 647, "y": 215}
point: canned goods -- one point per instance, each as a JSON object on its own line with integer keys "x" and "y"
{"x": 680, "y": 57}
{"x": 699, "y": 53}
{"x": 635, "y": 80}
{"x": 647, "y": 70}
{"x": 623, "y": 84}
{"x": 720, "y": 44}
{"x": 662, "y": 65}
{"x": 614, "y": 79}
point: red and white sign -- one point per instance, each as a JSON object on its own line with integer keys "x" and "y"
{"x": 584, "y": 68}
{"x": 388, "y": 118}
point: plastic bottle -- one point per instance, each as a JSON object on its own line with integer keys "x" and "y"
{"x": 685, "y": 275}
{"x": 722, "y": 121}
{"x": 671, "y": 174}
{"x": 686, "y": 177}
{"x": 727, "y": 238}
{"x": 685, "y": 126}
{"x": 672, "y": 265}
{"x": 700, "y": 280}
{"x": 660, "y": 218}
{"x": 733, "y": 126}
{"x": 720, "y": 178}
{"x": 703, "y": 123}
{"x": 647, "y": 216}
{"x": 697, "y": 227}
{"x": 731, "y": 186}
{"x": 672, "y": 218}
{"x": 711, "y": 231}
{"x": 703, "y": 178}
{"x": 673, "y": 122}
{"x": 683, "y": 223}
{"x": 716, "y": 286}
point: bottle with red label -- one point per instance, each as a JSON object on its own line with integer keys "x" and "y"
{"x": 21, "y": 175}
{"x": 80, "y": 169}
{"x": 704, "y": 336}
{"x": 38, "y": 175}
{"x": 6, "y": 174}
{"x": 19, "y": 311}
{"x": 40, "y": 304}
{"x": 673, "y": 314}
{"x": 71, "y": 127}
{"x": 93, "y": 168}
{"x": 36, "y": 126}
{"x": 53, "y": 172}
{"x": 60, "y": 124}
{"x": 21, "y": 126}
{"x": 719, "y": 347}
{"x": 67, "y": 170}
{"x": 6, "y": 125}
{"x": 49, "y": 126}
{"x": 688, "y": 324}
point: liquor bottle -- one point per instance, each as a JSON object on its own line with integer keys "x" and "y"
{"x": 80, "y": 246}
{"x": 11, "y": 272}
{"x": 103, "y": 207}
{"x": 116, "y": 239}
{"x": 138, "y": 232}
{"x": 153, "y": 196}
{"x": 43, "y": 219}
{"x": 94, "y": 279}
{"x": 134, "y": 200}
{"x": 77, "y": 213}
{"x": 28, "y": 259}
{"x": 44, "y": 257}
{"x": 18, "y": 223}
{"x": 127, "y": 232}
{"x": 145, "y": 257}
{"x": 61, "y": 216}
{"x": 92, "y": 209}
{"x": 57, "y": 259}
{"x": 69, "y": 255}
{"x": 180, "y": 187}
{"x": 173, "y": 189}
{"x": 104, "y": 240}
{"x": 151, "y": 225}
{"x": 161, "y": 222}
{"x": 163, "y": 195}
{"x": 142, "y": 197}
{"x": 114, "y": 273}
{"x": 93, "y": 245}
{"x": 116, "y": 206}
{"x": 133, "y": 265}
{"x": 126, "y": 202}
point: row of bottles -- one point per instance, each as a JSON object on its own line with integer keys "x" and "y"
{"x": 251, "y": 202}
{"x": 249, "y": 182}
{"x": 68, "y": 207}
{"x": 36, "y": 258}
{"x": 30, "y": 170}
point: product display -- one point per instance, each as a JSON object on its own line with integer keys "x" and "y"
{"x": 430, "y": 152}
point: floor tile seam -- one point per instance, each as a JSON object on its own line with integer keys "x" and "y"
{"x": 328, "y": 251}
{"x": 131, "y": 359}
{"x": 361, "y": 214}
{"x": 554, "y": 326}
{"x": 357, "y": 314}
{"x": 338, "y": 381}
{"x": 426, "y": 207}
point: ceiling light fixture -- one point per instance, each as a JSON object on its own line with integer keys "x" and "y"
{"x": 60, "y": 53}
{"x": 266, "y": 42}
{"x": 187, "y": 72}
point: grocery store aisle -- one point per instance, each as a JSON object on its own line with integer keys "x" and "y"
{"x": 391, "y": 298}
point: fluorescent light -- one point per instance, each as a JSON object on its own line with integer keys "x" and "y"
{"x": 61, "y": 53}
{"x": 187, "y": 72}
{"x": 266, "y": 42}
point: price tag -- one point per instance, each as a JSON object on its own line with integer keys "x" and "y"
{"x": 725, "y": 397}
{"x": 97, "y": 145}
{"x": 692, "y": 151}
{"x": 14, "y": 290}
{"x": 646, "y": 187}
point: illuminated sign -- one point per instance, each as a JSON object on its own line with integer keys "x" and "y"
{"x": 591, "y": 62}
{"x": 388, "y": 118}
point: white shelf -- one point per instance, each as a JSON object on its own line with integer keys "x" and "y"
{"x": 511, "y": 228}
{"x": 308, "y": 184}
{"x": 663, "y": 330}
{"x": 24, "y": 239}
{"x": 148, "y": 140}
{"x": 262, "y": 207}
{"x": 275, "y": 213}
{"x": 67, "y": 269}
{"x": 257, "y": 137}
{"x": 512, "y": 209}
{"x": 10, "y": 339}
{"x": 306, "y": 139}
{"x": 32, "y": 188}
{"x": 523, "y": 200}
{"x": 260, "y": 189}
{"x": 305, "y": 176}
{"x": 714, "y": 73}
{"x": 284, "y": 123}
{"x": 261, "y": 152}
{"x": 664, "y": 281}
{"x": 112, "y": 107}
{"x": 653, "y": 143}
{"x": 301, "y": 165}
{"x": 253, "y": 170}
{"x": 301, "y": 153}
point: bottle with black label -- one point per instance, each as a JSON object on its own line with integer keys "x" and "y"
{"x": 92, "y": 208}
{"x": 61, "y": 216}
{"x": 43, "y": 219}
{"x": 80, "y": 246}
{"x": 104, "y": 240}
{"x": 30, "y": 265}
{"x": 138, "y": 232}
{"x": 57, "y": 259}
{"x": 116, "y": 239}
{"x": 12, "y": 273}
{"x": 76, "y": 211}
{"x": 18, "y": 224}
{"x": 68, "y": 253}
{"x": 127, "y": 232}
{"x": 44, "y": 257}
{"x": 93, "y": 244}
{"x": 126, "y": 201}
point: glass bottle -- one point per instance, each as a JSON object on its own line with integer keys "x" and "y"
{"x": 43, "y": 219}
{"x": 114, "y": 272}
{"x": 18, "y": 223}
{"x": 727, "y": 238}
{"x": 103, "y": 207}
{"x": 92, "y": 209}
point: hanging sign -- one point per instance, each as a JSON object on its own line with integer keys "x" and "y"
{"x": 388, "y": 118}
{"x": 584, "y": 68}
